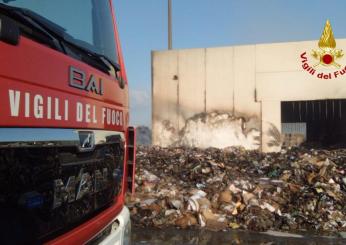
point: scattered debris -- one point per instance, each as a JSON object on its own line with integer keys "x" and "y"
{"x": 298, "y": 189}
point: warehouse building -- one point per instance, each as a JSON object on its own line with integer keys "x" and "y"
{"x": 257, "y": 96}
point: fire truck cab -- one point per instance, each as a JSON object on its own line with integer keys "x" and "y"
{"x": 67, "y": 152}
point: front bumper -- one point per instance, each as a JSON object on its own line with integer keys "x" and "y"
{"x": 120, "y": 230}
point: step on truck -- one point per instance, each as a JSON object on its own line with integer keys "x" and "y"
{"x": 67, "y": 152}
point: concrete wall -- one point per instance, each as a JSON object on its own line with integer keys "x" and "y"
{"x": 165, "y": 93}
{"x": 192, "y": 84}
{"x": 219, "y": 79}
{"x": 247, "y": 83}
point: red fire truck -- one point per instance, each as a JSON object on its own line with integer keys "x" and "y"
{"x": 67, "y": 152}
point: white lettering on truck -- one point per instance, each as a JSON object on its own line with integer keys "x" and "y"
{"x": 38, "y": 106}
{"x": 14, "y": 102}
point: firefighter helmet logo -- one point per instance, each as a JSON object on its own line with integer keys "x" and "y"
{"x": 327, "y": 53}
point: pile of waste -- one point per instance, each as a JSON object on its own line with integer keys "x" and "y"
{"x": 298, "y": 189}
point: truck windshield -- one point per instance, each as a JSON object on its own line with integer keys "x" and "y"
{"x": 87, "y": 23}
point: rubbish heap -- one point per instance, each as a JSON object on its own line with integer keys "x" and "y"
{"x": 299, "y": 189}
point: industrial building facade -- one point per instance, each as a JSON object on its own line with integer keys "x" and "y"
{"x": 256, "y": 96}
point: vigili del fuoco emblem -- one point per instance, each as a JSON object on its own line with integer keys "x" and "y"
{"x": 327, "y": 54}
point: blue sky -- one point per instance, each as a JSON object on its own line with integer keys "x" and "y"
{"x": 208, "y": 23}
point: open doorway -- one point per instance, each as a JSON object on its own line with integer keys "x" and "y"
{"x": 321, "y": 122}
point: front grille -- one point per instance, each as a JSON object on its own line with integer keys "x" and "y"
{"x": 45, "y": 191}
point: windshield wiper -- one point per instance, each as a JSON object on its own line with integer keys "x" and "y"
{"x": 21, "y": 17}
{"x": 112, "y": 66}
{"x": 88, "y": 55}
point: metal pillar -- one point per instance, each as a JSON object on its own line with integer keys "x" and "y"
{"x": 169, "y": 24}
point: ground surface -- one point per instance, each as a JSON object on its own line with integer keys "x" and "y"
{"x": 198, "y": 237}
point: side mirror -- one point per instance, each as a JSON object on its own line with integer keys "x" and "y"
{"x": 120, "y": 79}
{"x": 122, "y": 82}
{"x": 9, "y": 30}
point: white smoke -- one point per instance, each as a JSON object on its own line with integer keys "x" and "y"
{"x": 220, "y": 131}
{"x": 166, "y": 134}
{"x": 212, "y": 130}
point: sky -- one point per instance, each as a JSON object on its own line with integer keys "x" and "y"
{"x": 211, "y": 23}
